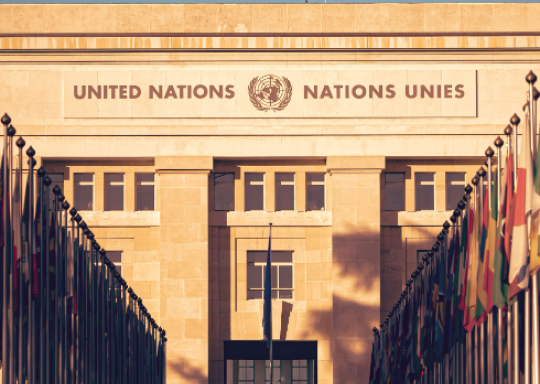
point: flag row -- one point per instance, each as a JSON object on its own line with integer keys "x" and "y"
{"x": 68, "y": 316}
{"x": 469, "y": 312}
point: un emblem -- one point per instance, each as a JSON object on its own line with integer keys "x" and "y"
{"x": 270, "y": 93}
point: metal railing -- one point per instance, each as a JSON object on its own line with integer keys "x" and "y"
{"x": 68, "y": 316}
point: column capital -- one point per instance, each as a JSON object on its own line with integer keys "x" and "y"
{"x": 184, "y": 164}
{"x": 355, "y": 164}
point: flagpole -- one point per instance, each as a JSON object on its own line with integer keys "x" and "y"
{"x": 534, "y": 282}
{"x": 499, "y": 143}
{"x": 31, "y": 358}
{"x": 490, "y": 361}
{"x": 5, "y": 121}
{"x": 270, "y": 312}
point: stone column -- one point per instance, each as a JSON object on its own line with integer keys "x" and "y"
{"x": 184, "y": 253}
{"x": 356, "y": 263}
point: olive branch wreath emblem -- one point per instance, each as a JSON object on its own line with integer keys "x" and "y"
{"x": 281, "y": 106}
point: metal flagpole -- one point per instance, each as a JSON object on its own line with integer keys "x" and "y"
{"x": 66, "y": 314}
{"x": 8, "y": 185}
{"x": 499, "y": 143}
{"x": 31, "y": 322}
{"x": 5, "y": 371}
{"x": 481, "y": 329}
{"x": 20, "y": 143}
{"x": 41, "y": 174}
{"x": 57, "y": 234}
{"x": 489, "y": 361}
{"x": 534, "y": 283}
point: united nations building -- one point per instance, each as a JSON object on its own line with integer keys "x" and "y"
{"x": 180, "y": 132}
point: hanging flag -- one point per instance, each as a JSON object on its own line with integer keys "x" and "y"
{"x": 500, "y": 262}
{"x": 459, "y": 297}
{"x": 469, "y": 299}
{"x": 17, "y": 241}
{"x": 491, "y": 246}
{"x": 522, "y": 204}
{"x": 267, "y": 319}
{"x": 481, "y": 294}
{"x": 535, "y": 213}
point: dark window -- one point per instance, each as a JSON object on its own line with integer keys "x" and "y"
{"x": 254, "y": 191}
{"x": 394, "y": 191}
{"x": 116, "y": 258}
{"x": 425, "y": 191}
{"x": 315, "y": 192}
{"x": 114, "y": 191}
{"x": 284, "y": 191}
{"x": 145, "y": 192}
{"x": 282, "y": 274}
{"x": 84, "y": 191}
{"x": 224, "y": 191}
{"x": 300, "y": 373}
{"x": 455, "y": 185}
{"x": 57, "y": 179}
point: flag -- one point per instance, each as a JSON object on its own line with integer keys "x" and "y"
{"x": 534, "y": 234}
{"x": 17, "y": 241}
{"x": 267, "y": 320}
{"x": 500, "y": 262}
{"x": 491, "y": 246}
{"x": 469, "y": 297}
{"x": 522, "y": 204}
{"x": 481, "y": 294}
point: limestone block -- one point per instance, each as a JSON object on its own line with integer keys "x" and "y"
{"x": 304, "y": 18}
{"x": 200, "y": 18}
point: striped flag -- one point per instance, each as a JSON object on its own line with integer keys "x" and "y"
{"x": 500, "y": 274}
{"x": 491, "y": 246}
{"x": 469, "y": 298}
{"x": 522, "y": 204}
{"x": 481, "y": 293}
{"x": 267, "y": 320}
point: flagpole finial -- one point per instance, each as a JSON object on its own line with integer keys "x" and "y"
{"x": 531, "y": 77}
{"x": 461, "y": 205}
{"x": 56, "y": 190}
{"x": 420, "y": 266}
{"x": 47, "y": 181}
{"x": 77, "y": 218}
{"x": 440, "y": 237}
{"x": 65, "y": 205}
{"x": 468, "y": 188}
{"x": 429, "y": 255}
{"x": 515, "y": 120}
{"x": 90, "y": 235}
{"x": 536, "y": 94}
{"x": 435, "y": 247}
{"x": 270, "y": 224}
{"x": 41, "y": 172}
{"x": 455, "y": 215}
{"x": 475, "y": 180}
{"x": 83, "y": 225}
{"x": 61, "y": 197}
{"x": 446, "y": 225}
{"x": 498, "y": 142}
{"x": 20, "y": 142}
{"x": 72, "y": 212}
{"x": 102, "y": 253}
{"x": 11, "y": 131}
{"x": 30, "y": 152}
{"x": 508, "y": 130}
{"x": 490, "y": 152}
{"x": 6, "y": 119}
{"x": 481, "y": 172}
{"x": 96, "y": 245}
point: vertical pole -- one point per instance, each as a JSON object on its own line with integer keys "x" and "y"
{"x": 515, "y": 122}
{"x": 498, "y": 143}
{"x": 20, "y": 261}
{"x": 515, "y": 339}
{"x": 31, "y": 323}
{"x": 41, "y": 174}
{"x": 56, "y": 191}
{"x": 8, "y": 166}
{"x": 5, "y": 371}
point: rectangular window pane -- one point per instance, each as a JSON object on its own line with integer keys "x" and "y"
{"x": 394, "y": 191}
{"x": 285, "y": 276}
{"x": 285, "y": 294}
{"x": 425, "y": 191}
{"x": 455, "y": 184}
{"x": 115, "y": 256}
{"x": 114, "y": 191}
{"x": 224, "y": 191}
{"x": 281, "y": 257}
{"x": 257, "y": 257}
{"x": 145, "y": 192}
{"x": 254, "y": 191}
{"x": 254, "y": 276}
{"x": 84, "y": 191}
{"x": 284, "y": 191}
{"x": 57, "y": 179}
{"x": 315, "y": 191}
{"x": 255, "y": 295}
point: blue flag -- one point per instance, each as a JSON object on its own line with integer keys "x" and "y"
{"x": 267, "y": 319}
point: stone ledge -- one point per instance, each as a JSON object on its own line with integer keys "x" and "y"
{"x": 262, "y": 218}
{"x": 121, "y": 218}
{"x": 414, "y": 219}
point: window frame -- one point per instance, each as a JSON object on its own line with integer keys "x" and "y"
{"x": 433, "y": 183}
{"x": 92, "y": 183}
{"x": 114, "y": 183}
{"x": 274, "y": 367}
{"x": 323, "y": 183}
{"x": 263, "y": 182}
{"x": 276, "y": 185}
{"x": 153, "y": 183}
{"x": 277, "y": 264}
{"x": 246, "y": 367}
{"x": 394, "y": 183}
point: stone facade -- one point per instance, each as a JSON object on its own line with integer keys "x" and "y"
{"x": 188, "y": 261}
